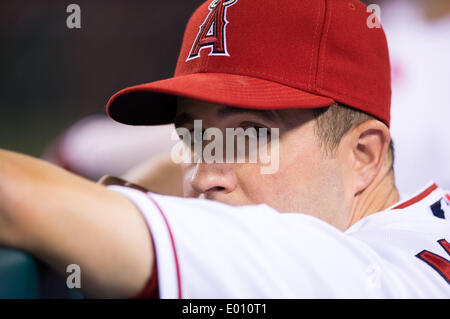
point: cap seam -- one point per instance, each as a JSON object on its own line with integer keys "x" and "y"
{"x": 388, "y": 87}
{"x": 319, "y": 49}
{"x": 316, "y": 31}
{"x": 323, "y": 49}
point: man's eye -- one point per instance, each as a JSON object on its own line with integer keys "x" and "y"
{"x": 251, "y": 131}
{"x": 188, "y": 136}
{"x": 195, "y": 136}
{"x": 256, "y": 131}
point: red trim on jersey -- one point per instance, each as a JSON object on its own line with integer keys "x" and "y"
{"x": 151, "y": 290}
{"x": 417, "y": 198}
{"x": 173, "y": 245}
{"x": 447, "y": 196}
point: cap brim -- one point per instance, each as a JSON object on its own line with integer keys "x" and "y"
{"x": 156, "y": 103}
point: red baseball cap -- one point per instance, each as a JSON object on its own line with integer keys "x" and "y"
{"x": 271, "y": 54}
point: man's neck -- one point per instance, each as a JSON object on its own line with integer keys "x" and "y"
{"x": 379, "y": 196}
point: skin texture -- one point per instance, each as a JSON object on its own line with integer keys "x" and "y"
{"x": 64, "y": 219}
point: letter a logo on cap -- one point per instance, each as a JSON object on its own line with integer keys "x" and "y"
{"x": 212, "y": 32}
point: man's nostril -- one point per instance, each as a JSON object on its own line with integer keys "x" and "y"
{"x": 216, "y": 189}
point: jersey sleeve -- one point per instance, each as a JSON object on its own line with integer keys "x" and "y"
{"x": 205, "y": 249}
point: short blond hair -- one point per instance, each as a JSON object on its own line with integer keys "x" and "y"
{"x": 334, "y": 121}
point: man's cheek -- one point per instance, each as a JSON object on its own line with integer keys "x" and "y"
{"x": 188, "y": 171}
{"x": 267, "y": 188}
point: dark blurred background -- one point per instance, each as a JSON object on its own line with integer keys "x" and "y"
{"x": 51, "y": 76}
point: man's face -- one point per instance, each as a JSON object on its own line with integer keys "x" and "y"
{"x": 307, "y": 181}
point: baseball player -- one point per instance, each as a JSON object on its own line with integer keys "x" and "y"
{"x": 328, "y": 223}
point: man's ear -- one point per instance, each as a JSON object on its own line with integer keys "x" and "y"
{"x": 366, "y": 147}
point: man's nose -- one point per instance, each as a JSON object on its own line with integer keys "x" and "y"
{"x": 209, "y": 179}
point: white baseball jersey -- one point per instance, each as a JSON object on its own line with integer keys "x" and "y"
{"x": 206, "y": 249}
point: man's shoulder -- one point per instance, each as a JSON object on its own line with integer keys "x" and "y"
{"x": 417, "y": 222}
{"x": 426, "y": 209}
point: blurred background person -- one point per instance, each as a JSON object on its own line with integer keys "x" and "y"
{"x": 96, "y": 146}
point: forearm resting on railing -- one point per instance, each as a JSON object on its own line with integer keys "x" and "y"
{"x": 64, "y": 219}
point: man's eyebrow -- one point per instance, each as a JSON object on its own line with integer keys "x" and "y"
{"x": 267, "y": 114}
{"x": 183, "y": 118}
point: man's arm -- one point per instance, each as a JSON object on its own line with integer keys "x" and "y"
{"x": 160, "y": 175}
{"x": 63, "y": 219}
